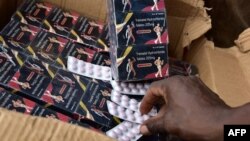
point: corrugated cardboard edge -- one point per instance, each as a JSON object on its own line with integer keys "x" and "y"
{"x": 225, "y": 71}
{"x": 243, "y": 42}
{"x": 19, "y": 127}
{"x": 193, "y": 22}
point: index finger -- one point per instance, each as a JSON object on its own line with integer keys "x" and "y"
{"x": 155, "y": 94}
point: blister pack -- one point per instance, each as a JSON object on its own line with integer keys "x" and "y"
{"x": 87, "y": 69}
{"x": 126, "y": 131}
{"x": 130, "y": 88}
{"x": 126, "y": 114}
{"x": 129, "y": 103}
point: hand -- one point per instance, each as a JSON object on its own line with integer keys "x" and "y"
{"x": 189, "y": 110}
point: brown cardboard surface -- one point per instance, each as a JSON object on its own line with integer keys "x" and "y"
{"x": 187, "y": 21}
{"x": 243, "y": 42}
{"x": 225, "y": 71}
{"x": 19, "y": 127}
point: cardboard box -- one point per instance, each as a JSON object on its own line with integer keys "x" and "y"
{"x": 225, "y": 71}
{"x": 16, "y": 126}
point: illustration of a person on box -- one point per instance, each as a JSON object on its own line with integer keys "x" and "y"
{"x": 155, "y": 6}
{"x": 125, "y": 3}
{"x": 54, "y": 40}
{"x": 99, "y": 112}
{"x": 130, "y": 68}
{"x": 65, "y": 79}
{"x": 159, "y": 64}
{"x": 7, "y": 57}
{"x": 68, "y": 15}
{"x": 19, "y": 104}
{"x": 158, "y": 29}
{"x": 42, "y": 6}
{"x": 82, "y": 51}
{"x": 34, "y": 67}
{"x": 129, "y": 33}
{"x": 33, "y": 18}
{"x": 105, "y": 93}
{"x": 58, "y": 99}
{"x": 61, "y": 27}
{"x": 24, "y": 85}
{"x": 46, "y": 56}
{"x": 26, "y": 29}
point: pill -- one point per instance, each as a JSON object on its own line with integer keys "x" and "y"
{"x": 120, "y": 109}
{"x": 107, "y": 76}
{"x": 116, "y": 99}
{"x": 131, "y": 85}
{"x": 139, "y": 86}
{"x": 119, "y": 88}
{"x": 117, "y": 131}
{"x": 115, "y": 93}
{"x": 131, "y": 117}
{"x": 126, "y": 90}
{"x": 123, "y": 84}
{"x": 137, "y": 114}
{"x": 122, "y": 127}
{"x": 146, "y": 86}
{"x": 122, "y": 115}
{"x": 81, "y": 64}
{"x": 90, "y": 72}
{"x": 111, "y": 134}
{"x": 114, "y": 84}
{"x": 133, "y": 102}
{"x": 128, "y": 124}
{"x": 135, "y": 130}
{"x": 124, "y": 103}
{"x": 112, "y": 105}
{"x": 135, "y": 91}
{"x": 125, "y": 98}
{"x": 113, "y": 112}
{"x": 143, "y": 91}
{"x": 129, "y": 112}
{"x": 130, "y": 135}
{"x": 124, "y": 138}
{"x": 133, "y": 107}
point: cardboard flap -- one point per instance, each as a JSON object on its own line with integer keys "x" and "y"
{"x": 225, "y": 71}
{"x": 243, "y": 41}
{"x": 16, "y": 126}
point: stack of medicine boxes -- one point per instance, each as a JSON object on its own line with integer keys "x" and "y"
{"x": 138, "y": 38}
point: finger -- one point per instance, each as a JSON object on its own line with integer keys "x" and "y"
{"x": 154, "y": 94}
{"x": 154, "y": 125}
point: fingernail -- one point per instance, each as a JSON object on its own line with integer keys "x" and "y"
{"x": 144, "y": 130}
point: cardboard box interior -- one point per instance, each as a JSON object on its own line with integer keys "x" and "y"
{"x": 225, "y": 71}
{"x": 16, "y": 126}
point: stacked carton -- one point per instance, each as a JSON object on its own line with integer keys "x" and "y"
{"x": 138, "y": 38}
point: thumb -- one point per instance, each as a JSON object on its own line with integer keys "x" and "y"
{"x": 154, "y": 125}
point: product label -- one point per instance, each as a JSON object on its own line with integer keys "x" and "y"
{"x": 94, "y": 100}
{"x": 10, "y": 62}
{"x": 141, "y": 28}
{"x": 47, "y": 47}
{"x": 142, "y": 62}
{"x": 19, "y": 32}
{"x": 85, "y": 53}
{"x": 60, "y": 22}
{"x": 87, "y": 31}
{"x": 139, "y": 5}
{"x": 32, "y": 12}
